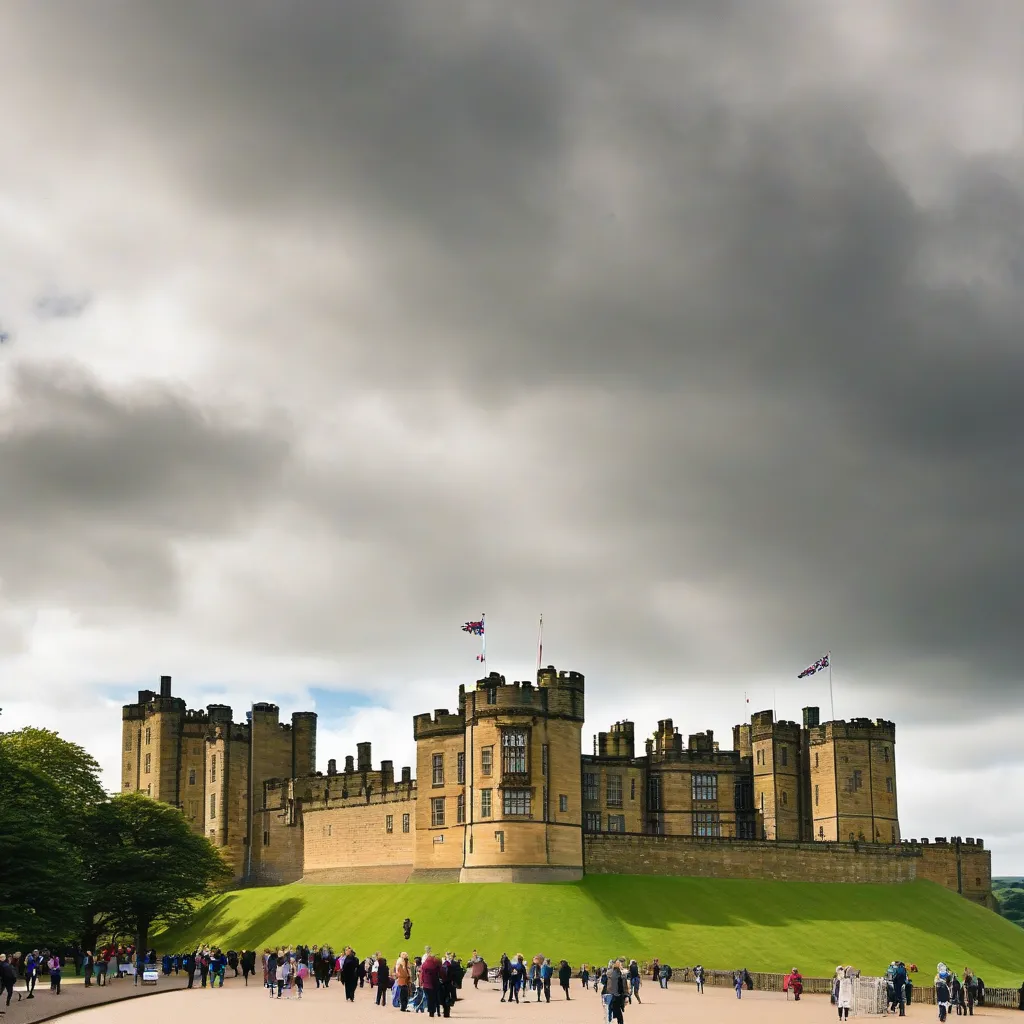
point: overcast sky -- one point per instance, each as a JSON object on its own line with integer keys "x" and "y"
{"x": 696, "y": 327}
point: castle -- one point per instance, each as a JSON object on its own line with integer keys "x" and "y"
{"x": 503, "y": 793}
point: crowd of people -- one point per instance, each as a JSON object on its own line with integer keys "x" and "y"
{"x": 431, "y": 983}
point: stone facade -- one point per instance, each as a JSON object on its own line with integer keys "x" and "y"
{"x": 502, "y": 793}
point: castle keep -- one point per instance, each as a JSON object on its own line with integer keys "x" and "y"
{"x": 503, "y": 793}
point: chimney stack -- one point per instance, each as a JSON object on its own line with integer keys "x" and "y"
{"x": 407, "y": 775}
{"x": 363, "y": 757}
{"x": 165, "y": 686}
{"x": 350, "y": 764}
{"x": 332, "y": 767}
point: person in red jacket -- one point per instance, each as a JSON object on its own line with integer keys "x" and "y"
{"x": 430, "y": 980}
{"x": 796, "y": 984}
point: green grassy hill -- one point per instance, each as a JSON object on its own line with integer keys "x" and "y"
{"x": 722, "y": 923}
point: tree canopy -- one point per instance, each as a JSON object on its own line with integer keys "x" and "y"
{"x": 144, "y": 863}
{"x": 74, "y": 861}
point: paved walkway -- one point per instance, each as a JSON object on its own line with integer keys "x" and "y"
{"x": 717, "y": 1006}
{"x": 75, "y": 996}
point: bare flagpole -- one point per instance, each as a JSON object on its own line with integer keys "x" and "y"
{"x": 540, "y": 643}
{"x": 483, "y": 641}
{"x": 832, "y": 699}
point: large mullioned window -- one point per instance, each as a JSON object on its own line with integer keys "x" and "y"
{"x": 517, "y": 803}
{"x": 513, "y": 752}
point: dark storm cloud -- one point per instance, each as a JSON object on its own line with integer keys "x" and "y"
{"x": 98, "y": 488}
{"x": 673, "y": 247}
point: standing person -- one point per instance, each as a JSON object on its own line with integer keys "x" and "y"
{"x": 737, "y": 983}
{"x": 564, "y": 976}
{"x": 796, "y": 984}
{"x": 383, "y": 981}
{"x": 842, "y": 988}
{"x": 478, "y": 969}
{"x": 87, "y": 962}
{"x": 546, "y": 970}
{"x": 31, "y": 973}
{"x": 54, "y": 967}
{"x": 971, "y": 990}
{"x": 430, "y": 980}
{"x": 350, "y": 973}
{"x": 271, "y": 972}
{"x": 284, "y": 972}
{"x": 615, "y": 990}
{"x": 8, "y": 976}
{"x": 698, "y": 977}
{"x": 407, "y": 929}
{"x": 301, "y": 971}
{"x": 403, "y": 979}
{"x": 505, "y": 970}
{"x": 634, "y": 980}
{"x": 942, "y": 991}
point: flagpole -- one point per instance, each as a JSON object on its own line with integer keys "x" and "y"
{"x": 483, "y": 641}
{"x": 540, "y": 643}
{"x": 832, "y": 699}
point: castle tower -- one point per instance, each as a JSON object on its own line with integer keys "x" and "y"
{"x": 777, "y": 780}
{"x": 151, "y": 732}
{"x": 853, "y": 781}
{"x": 303, "y": 743}
{"x": 515, "y": 789}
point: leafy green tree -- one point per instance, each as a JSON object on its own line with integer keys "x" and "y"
{"x": 144, "y": 864}
{"x": 41, "y": 885}
{"x": 69, "y": 767}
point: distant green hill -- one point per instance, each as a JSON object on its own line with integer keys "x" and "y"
{"x": 721, "y": 923}
{"x": 1010, "y": 893}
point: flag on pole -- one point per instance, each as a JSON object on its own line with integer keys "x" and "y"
{"x": 821, "y": 663}
{"x": 479, "y": 628}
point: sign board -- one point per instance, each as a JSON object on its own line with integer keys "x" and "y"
{"x": 149, "y": 976}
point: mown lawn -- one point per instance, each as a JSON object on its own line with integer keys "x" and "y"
{"x": 721, "y": 923}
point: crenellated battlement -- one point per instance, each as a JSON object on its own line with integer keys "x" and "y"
{"x": 441, "y": 723}
{"x": 945, "y": 842}
{"x": 854, "y": 729}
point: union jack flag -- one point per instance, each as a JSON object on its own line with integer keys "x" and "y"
{"x": 816, "y": 667}
{"x": 476, "y": 628}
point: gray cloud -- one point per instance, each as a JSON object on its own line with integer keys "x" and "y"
{"x": 695, "y": 329}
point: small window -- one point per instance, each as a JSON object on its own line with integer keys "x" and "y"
{"x": 487, "y": 761}
{"x": 485, "y": 803}
{"x": 147, "y": 735}
{"x": 858, "y": 779}
{"x": 815, "y": 796}
{"x": 632, "y": 789}
{"x": 405, "y": 822}
{"x": 707, "y": 824}
{"x": 193, "y": 808}
{"x": 330, "y": 831}
{"x": 888, "y": 785}
{"x": 616, "y": 823}
{"x": 815, "y": 760}
{"x": 563, "y": 804}
{"x": 492, "y": 695}
{"x": 785, "y": 798}
{"x": 544, "y": 760}
{"x": 516, "y": 803}
{"x": 213, "y": 805}
{"x": 590, "y": 786}
{"x": 191, "y": 776}
{"x": 213, "y": 767}
{"x": 266, "y": 838}
{"x": 437, "y": 811}
{"x": 389, "y": 823}
{"x": 460, "y": 768}
{"x": 614, "y": 790}
{"x": 460, "y": 809}
{"x": 592, "y": 821}
{"x": 885, "y": 754}
{"x": 149, "y": 763}
{"x": 500, "y": 837}
{"x": 438, "y": 769}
